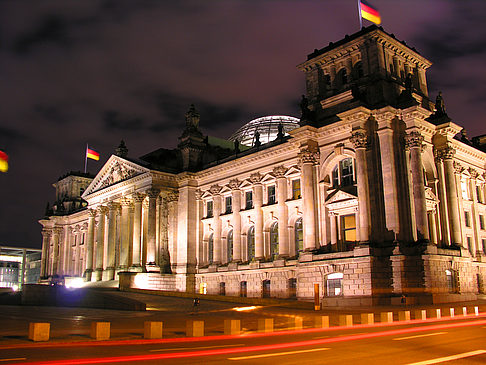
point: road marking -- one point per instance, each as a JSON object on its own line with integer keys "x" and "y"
{"x": 197, "y": 348}
{"x": 277, "y": 354}
{"x": 15, "y": 359}
{"x": 318, "y": 337}
{"x": 417, "y": 336}
{"x": 449, "y": 358}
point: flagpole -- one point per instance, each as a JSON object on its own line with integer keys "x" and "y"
{"x": 359, "y": 15}
{"x": 86, "y": 158}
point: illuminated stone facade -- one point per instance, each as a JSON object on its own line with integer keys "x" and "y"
{"x": 373, "y": 197}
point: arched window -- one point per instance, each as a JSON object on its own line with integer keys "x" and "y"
{"x": 343, "y": 173}
{"x": 299, "y": 236}
{"x": 334, "y": 284}
{"x": 274, "y": 240}
{"x": 250, "y": 242}
{"x": 229, "y": 242}
{"x": 210, "y": 248}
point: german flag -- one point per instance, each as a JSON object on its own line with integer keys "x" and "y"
{"x": 3, "y": 162}
{"x": 369, "y": 12}
{"x": 92, "y": 154}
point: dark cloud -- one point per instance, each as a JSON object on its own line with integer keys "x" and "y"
{"x": 114, "y": 120}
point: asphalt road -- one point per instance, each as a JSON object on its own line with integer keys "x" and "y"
{"x": 459, "y": 341}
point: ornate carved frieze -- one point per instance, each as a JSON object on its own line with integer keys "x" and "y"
{"x": 215, "y": 189}
{"x": 445, "y": 153}
{"x": 359, "y": 139}
{"x": 255, "y": 177}
{"x": 234, "y": 184}
{"x": 173, "y": 196}
{"x": 117, "y": 173}
{"x": 153, "y": 193}
{"x": 279, "y": 171}
{"x": 414, "y": 139}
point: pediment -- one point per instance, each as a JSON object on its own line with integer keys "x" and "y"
{"x": 267, "y": 178}
{"x": 115, "y": 170}
{"x": 339, "y": 196}
{"x": 429, "y": 194}
{"x": 293, "y": 170}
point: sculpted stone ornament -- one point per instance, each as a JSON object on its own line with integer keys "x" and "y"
{"x": 255, "y": 177}
{"x": 414, "y": 139}
{"x": 234, "y": 184}
{"x": 446, "y": 153}
{"x": 309, "y": 155}
{"x": 359, "y": 139}
{"x": 172, "y": 196}
{"x": 215, "y": 189}
{"x": 92, "y": 213}
{"x": 117, "y": 173}
{"x": 153, "y": 193}
{"x": 198, "y": 193}
{"x": 458, "y": 168}
{"x": 138, "y": 197}
{"x": 474, "y": 174}
{"x": 279, "y": 171}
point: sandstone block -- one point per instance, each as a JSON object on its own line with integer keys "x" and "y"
{"x": 152, "y": 329}
{"x": 100, "y": 330}
{"x": 194, "y": 328}
{"x": 39, "y": 331}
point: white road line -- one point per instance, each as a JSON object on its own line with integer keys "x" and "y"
{"x": 417, "y": 336}
{"x": 449, "y": 358}
{"x": 15, "y": 359}
{"x": 319, "y": 337}
{"x": 197, "y": 348}
{"x": 276, "y": 354}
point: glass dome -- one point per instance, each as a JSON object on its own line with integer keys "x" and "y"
{"x": 266, "y": 126}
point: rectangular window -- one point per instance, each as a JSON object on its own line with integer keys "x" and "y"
{"x": 209, "y": 209}
{"x": 334, "y": 284}
{"x": 222, "y": 288}
{"x": 467, "y": 217}
{"x": 484, "y": 245}
{"x": 292, "y": 288}
{"x": 349, "y": 228}
{"x": 470, "y": 245}
{"x": 451, "y": 281}
{"x": 296, "y": 189}
{"x": 228, "y": 202}
{"x": 481, "y": 222}
{"x": 478, "y": 194}
{"x": 465, "y": 194}
{"x": 243, "y": 291}
{"x": 271, "y": 194}
{"x": 82, "y": 238}
{"x": 249, "y": 200}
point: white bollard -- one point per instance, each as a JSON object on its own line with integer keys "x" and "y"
{"x": 421, "y": 314}
{"x": 386, "y": 317}
{"x": 322, "y": 322}
{"x": 404, "y": 316}
{"x": 265, "y": 325}
{"x": 232, "y": 326}
{"x": 346, "y": 320}
{"x": 367, "y": 318}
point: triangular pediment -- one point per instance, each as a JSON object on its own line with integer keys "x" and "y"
{"x": 340, "y": 195}
{"x": 115, "y": 170}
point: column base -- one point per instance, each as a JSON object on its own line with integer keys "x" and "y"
{"x": 109, "y": 274}
{"x": 136, "y": 268}
{"x": 98, "y": 275}
{"x": 152, "y": 267}
{"x": 88, "y": 274}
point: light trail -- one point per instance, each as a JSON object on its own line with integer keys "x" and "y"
{"x": 419, "y": 336}
{"x": 449, "y": 358}
{"x": 277, "y": 354}
{"x": 227, "y": 351}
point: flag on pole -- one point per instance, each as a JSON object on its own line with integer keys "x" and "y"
{"x": 92, "y": 154}
{"x": 369, "y": 12}
{"x": 3, "y": 162}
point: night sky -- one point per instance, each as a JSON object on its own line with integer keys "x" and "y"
{"x": 77, "y": 72}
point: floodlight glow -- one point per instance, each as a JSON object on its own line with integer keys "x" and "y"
{"x": 242, "y": 309}
{"x": 15, "y": 287}
{"x": 74, "y": 283}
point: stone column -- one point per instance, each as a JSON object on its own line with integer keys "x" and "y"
{"x": 447, "y": 155}
{"x": 282, "y": 211}
{"x": 137, "y": 231}
{"x": 66, "y": 261}
{"x": 126, "y": 204}
{"x": 236, "y": 205}
{"x": 172, "y": 201}
{"x": 90, "y": 244}
{"x": 414, "y": 142}
{"x": 433, "y": 227}
{"x": 443, "y": 213}
{"x": 217, "y": 244}
{"x": 334, "y": 228}
{"x": 100, "y": 243}
{"x": 474, "y": 211}
{"x": 164, "y": 261}
{"x": 56, "y": 232}
{"x": 390, "y": 181}
{"x": 46, "y": 241}
{"x": 359, "y": 140}
{"x": 200, "y": 249}
{"x": 257, "y": 205}
{"x": 109, "y": 273}
{"x": 152, "y": 224}
{"x": 308, "y": 159}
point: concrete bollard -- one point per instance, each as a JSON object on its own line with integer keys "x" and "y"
{"x": 100, "y": 330}
{"x": 386, "y": 317}
{"x": 476, "y": 311}
{"x": 464, "y": 311}
{"x": 194, "y": 328}
{"x": 404, "y": 316}
{"x": 421, "y": 314}
{"x": 321, "y": 322}
{"x": 434, "y": 313}
{"x": 152, "y": 330}
{"x": 296, "y": 323}
{"x": 39, "y": 331}
{"x": 346, "y": 320}
{"x": 232, "y": 326}
{"x": 265, "y": 325}
{"x": 449, "y": 312}
{"x": 367, "y": 318}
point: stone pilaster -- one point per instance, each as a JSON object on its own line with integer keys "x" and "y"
{"x": 172, "y": 203}
{"x": 46, "y": 242}
{"x": 257, "y": 205}
{"x": 56, "y": 234}
{"x": 236, "y": 205}
{"x": 474, "y": 211}
{"x": 109, "y": 273}
{"x": 90, "y": 244}
{"x": 360, "y": 142}
{"x": 218, "y": 246}
{"x": 100, "y": 242}
{"x": 309, "y": 158}
{"x": 126, "y": 204}
{"x": 151, "y": 230}
{"x": 282, "y": 211}
{"x": 137, "y": 231}
{"x": 164, "y": 261}
{"x": 414, "y": 142}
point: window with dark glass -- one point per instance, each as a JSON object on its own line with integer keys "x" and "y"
{"x": 266, "y": 289}
{"x": 478, "y": 194}
{"x": 274, "y": 240}
{"x": 451, "y": 281}
{"x": 299, "y": 236}
{"x": 334, "y": 284}
{"x": 481, "y": 222}
{"x": 251, "y": 243}
{"x": 210, "y": 249}
{"x": 229, "y": 241}
{"x": 222, "y": 288}
{"x": 343, "y": 77}
{"x": 470, "y": 245}
{"x": 467, "y": 218}
{"x": 249, "y": 200}
{"x": 271, "y": 194}
{"x": 342, "y": 174}
{"x": 209, "y": 209}
{"x": 296, "y": 189}
{"x": 243, "y": 290}
{"x": 228, "y": 202}
{"x": 292, "y": 288}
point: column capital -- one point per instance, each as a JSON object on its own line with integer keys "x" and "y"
{"x": 138, "y": 197}
{"x": 309, "y": 155}
{"x": 125, "y": 201}
{"x": 46, "y": 233}
{"x": 279, "y": 171}
{"x": 255, "y": 178}
{"x": 458, "y": 168}
{"x": 359, "y": 139}
{"x": 414, "y": 139}
{"x": 198, "y": 194}
{"x": 57, "y": 230}
{"x": 173, "y": 196}
{"x": 234, "y": 184}
{"x": 445, "y": 153}
{"x": 215, "y": 189}
{"x": 113, "y": 206}
{"x": 102, "y": 209}
{"x": 92, "y": 213}
{"x": 474, "y": 174}
{"x": 153, "y": 193}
